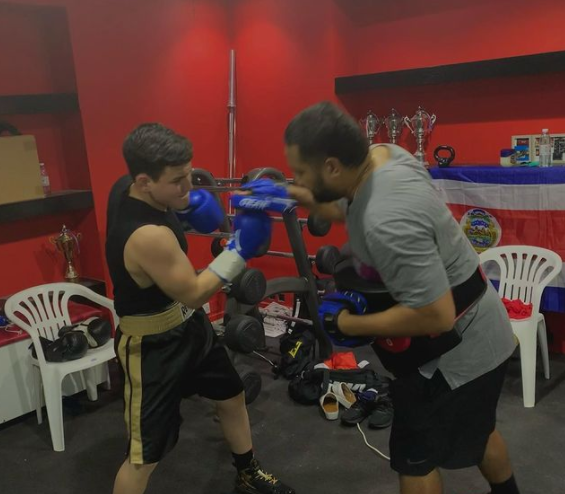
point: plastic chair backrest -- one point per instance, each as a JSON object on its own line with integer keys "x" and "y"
{"x": 524, "y": 271}
{"x": 43, "y": 310}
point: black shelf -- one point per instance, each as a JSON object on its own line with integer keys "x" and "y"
{"x": 58, "y": 202}
{"x": 500, "y": 67}
{"x": 97, "y": 286}
{"x": 27, "y": 104}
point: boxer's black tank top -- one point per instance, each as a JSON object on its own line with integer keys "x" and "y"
{"x": 132, "y": 214}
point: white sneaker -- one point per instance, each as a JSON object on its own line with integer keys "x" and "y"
{"x": 343, "y": 394}
{"x": 330, "y": 405}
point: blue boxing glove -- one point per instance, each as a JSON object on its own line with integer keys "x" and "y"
{"x": 251, "y": 231}
{"x": 204, "y": 213}
{"x": 266, "y": 187}
{"x": 263, "y": 203}
{"x": 330, "y": 307}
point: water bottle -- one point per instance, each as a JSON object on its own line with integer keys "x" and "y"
{"x": 45, "y": 179}
{"x": 545, "y": 149}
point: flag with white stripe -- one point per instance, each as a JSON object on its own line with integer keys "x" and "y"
{"x": 510, "y": 206}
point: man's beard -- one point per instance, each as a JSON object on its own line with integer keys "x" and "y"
{"x": 322, "y": 194}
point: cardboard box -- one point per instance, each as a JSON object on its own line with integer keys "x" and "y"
{"x": 20, "y": 176}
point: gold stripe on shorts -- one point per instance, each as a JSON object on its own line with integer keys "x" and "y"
{"x": 129, "y": 352}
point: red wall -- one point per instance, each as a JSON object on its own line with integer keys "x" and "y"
{"x": 134, "y": 61}
{"x": 39, "y": 60}
{"x": 139, "y": 60}
{"x": 399, "y": 34}
{"x": 290, "y": 52}
{"x": 476, "y": 118}
{"x": 286, "y": 54}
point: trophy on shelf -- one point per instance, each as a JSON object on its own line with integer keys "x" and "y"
{"x": 394, "y": 124}
{"x": 421, "y": 126}
{"x": 372, "y": 124}
{"x": 67, "y": 243}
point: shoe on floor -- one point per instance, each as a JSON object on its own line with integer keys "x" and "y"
{"x": 382, "y": 414}
{"x": 344, "y": 395}
{"x": 361, "y": 409}
{"x": 330, "y": 405}
{"x": 254, "y": 480}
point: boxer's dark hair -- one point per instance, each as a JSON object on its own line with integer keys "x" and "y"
{"x": 325, "y": 131}
{"x": 151, "y": 147}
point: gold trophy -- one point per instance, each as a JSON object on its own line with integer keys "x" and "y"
{"x": 67, "y": 244}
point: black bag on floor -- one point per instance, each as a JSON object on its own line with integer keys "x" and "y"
{"x": 306, "y": 388}
{"x": 296, "y": 351}
{"x": 311, "y": 384}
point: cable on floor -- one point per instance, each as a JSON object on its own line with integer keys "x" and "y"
{"x": 372, "y": 447}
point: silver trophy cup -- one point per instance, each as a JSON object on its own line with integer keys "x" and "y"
{"x": 371, "y": 124}
{"x": 421, "y": 126}
{"x": 394, "y": 124}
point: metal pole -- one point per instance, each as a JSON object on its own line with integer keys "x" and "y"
{"x": 303, "y": 264}
{"x": 231, "y": 120}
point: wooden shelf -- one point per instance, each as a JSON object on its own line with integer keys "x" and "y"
{"x": 27, "y": 104}
{"x": 58, "y": 202}
{"x": 500, "y": 67}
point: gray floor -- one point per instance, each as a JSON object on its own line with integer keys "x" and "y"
{"x": 313, "y": 455}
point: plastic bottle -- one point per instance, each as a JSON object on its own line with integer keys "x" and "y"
{"x": 45, "y": 179}
{"x": 545, "y": 149}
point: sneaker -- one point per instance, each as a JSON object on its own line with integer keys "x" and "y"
{"x": 382, "y": 413}
{"x": 361, "y": 409}
{"x": 254, "y": 480}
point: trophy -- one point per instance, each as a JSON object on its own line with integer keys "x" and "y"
{"x": 372, "y": 124}
{"x": 67, "y": 244}
{"x": 394, "y": 124}
{"x": 421, "y": 125}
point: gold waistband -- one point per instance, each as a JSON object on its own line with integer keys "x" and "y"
{"x": 144, "y": 325}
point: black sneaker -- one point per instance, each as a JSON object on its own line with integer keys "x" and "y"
{"x": 361, "y": 409}
{"x": 254, "y": 480}
{"x": 382, "y": 414}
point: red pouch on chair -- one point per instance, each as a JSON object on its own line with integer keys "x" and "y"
{"x": 517, "y": 309}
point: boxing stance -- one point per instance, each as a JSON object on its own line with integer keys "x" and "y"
{"x": 403, "y": 237}
{"x": 165, "y": 343}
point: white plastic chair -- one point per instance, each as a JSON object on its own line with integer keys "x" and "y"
{"x": 42, "y": 311}
{"x": 525, "y": 271}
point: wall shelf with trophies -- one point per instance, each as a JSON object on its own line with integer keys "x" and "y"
{"x": 28, "y": 104}
{"x": 57, "y": 202}
{"x": 485, "y": 69}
